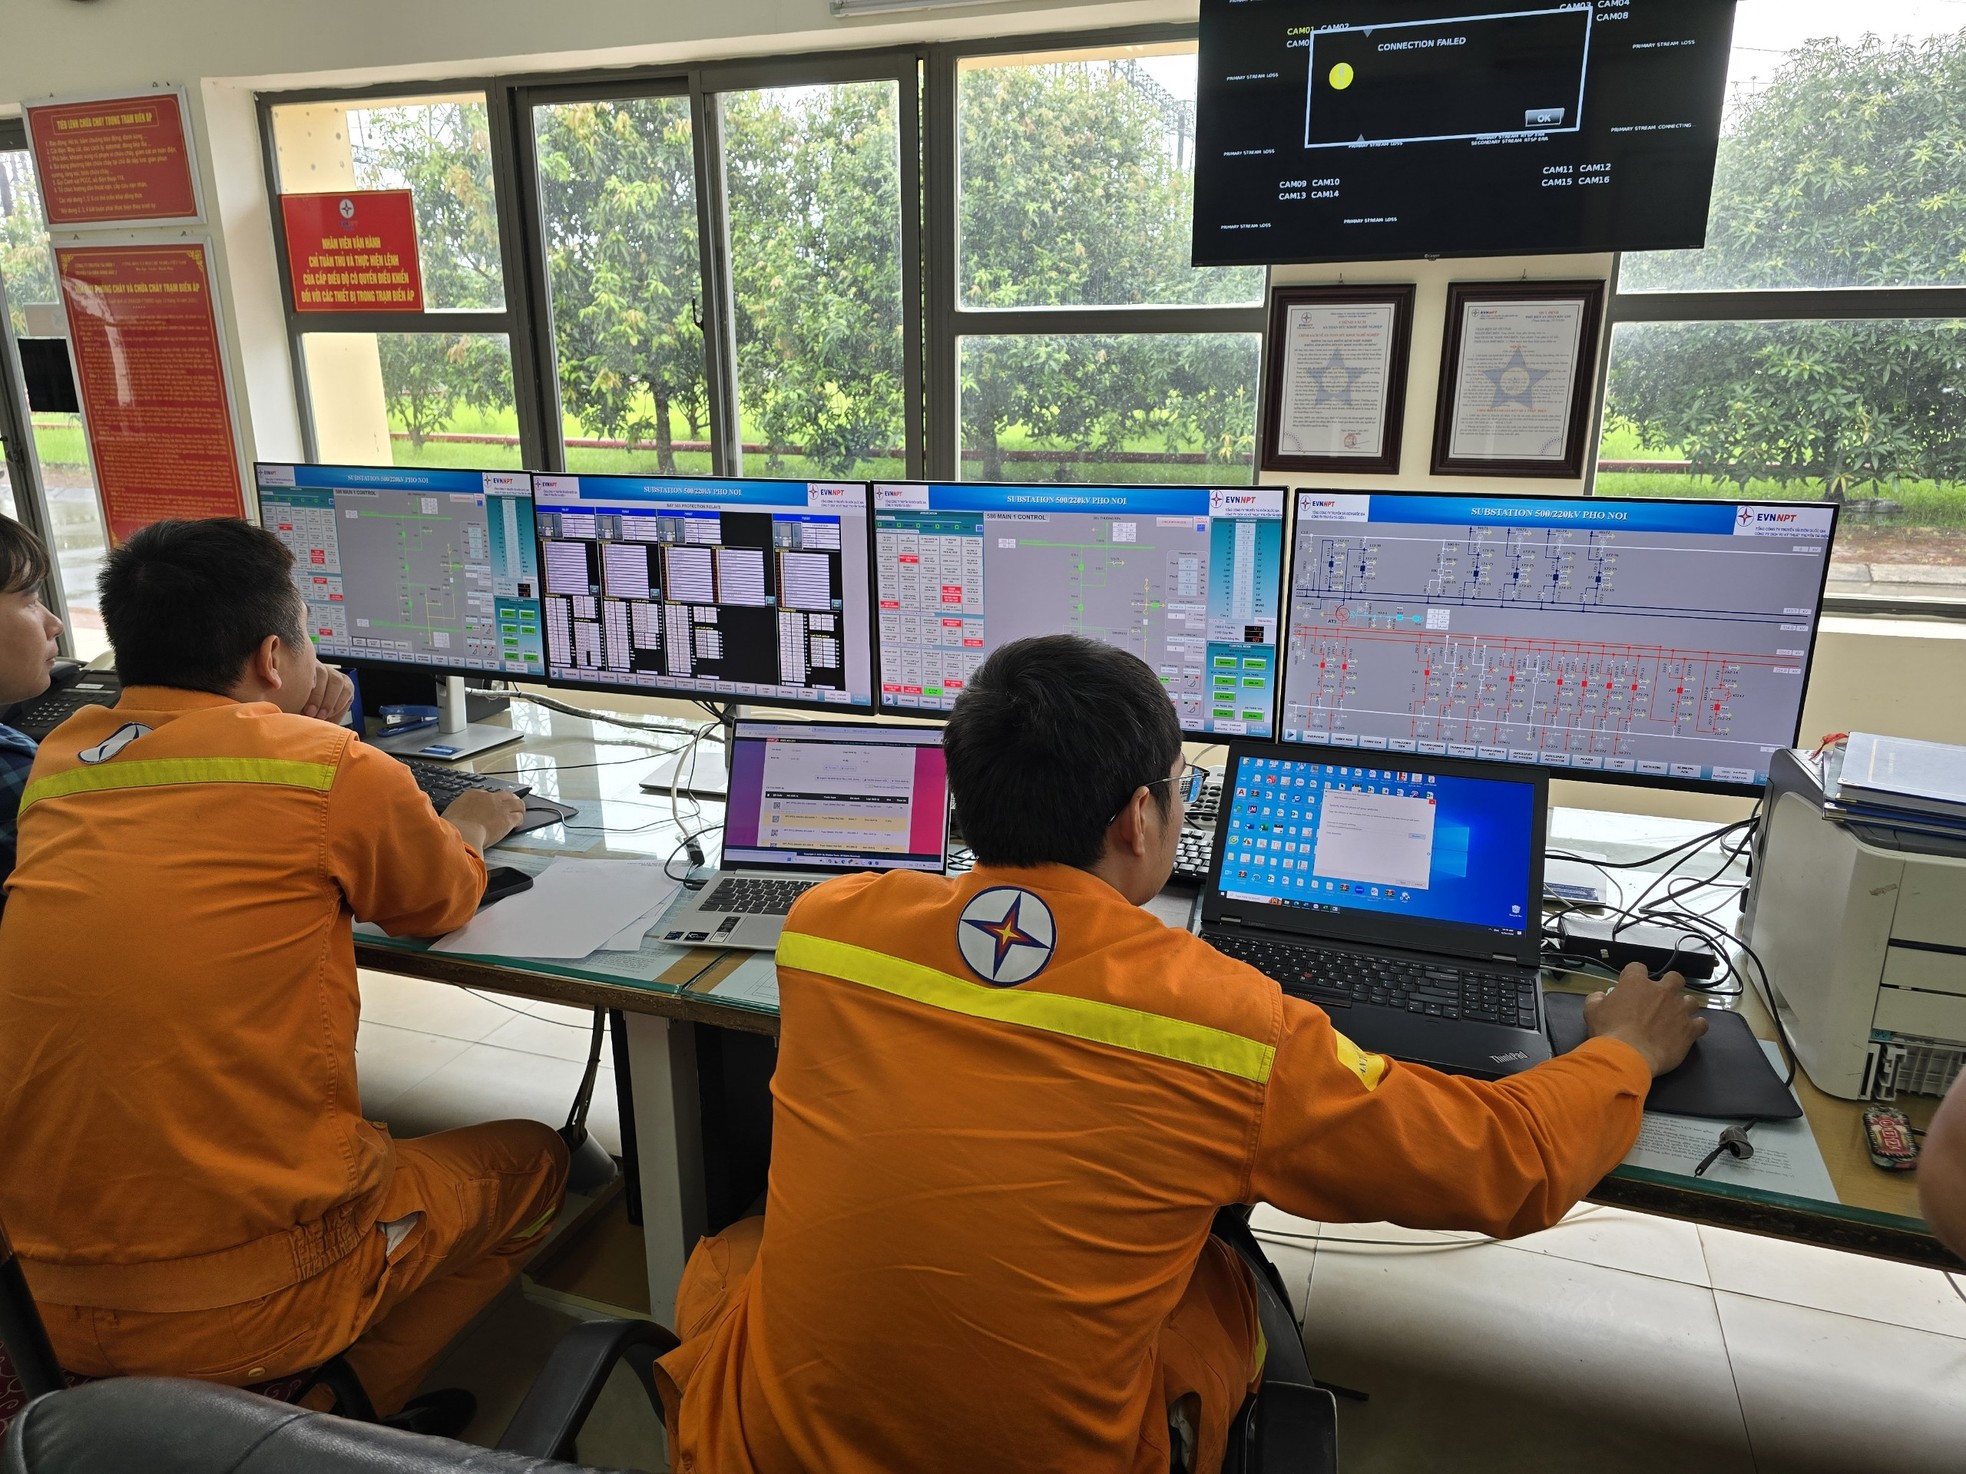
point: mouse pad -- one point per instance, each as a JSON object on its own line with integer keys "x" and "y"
{"x": 1726, "y": 1075}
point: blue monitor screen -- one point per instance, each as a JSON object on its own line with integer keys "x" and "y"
{"x": 1344, "y": 838}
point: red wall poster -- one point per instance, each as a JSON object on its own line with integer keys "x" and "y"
{"x": 119, "y": 159}
{"x": 354, "y": 251}
{"x": 152, "y": 383}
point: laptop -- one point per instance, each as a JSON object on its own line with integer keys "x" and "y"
{"x": 1400, "y": 893}
{"x": 808, "y": 801}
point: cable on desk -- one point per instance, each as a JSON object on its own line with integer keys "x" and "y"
{"x": 610, "y": 719}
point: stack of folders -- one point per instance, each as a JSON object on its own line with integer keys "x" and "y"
{"x": 1894, "y": 783}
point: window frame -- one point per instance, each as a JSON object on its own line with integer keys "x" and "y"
{"x": 22, "y": 456}
{"x": 934, "y": 321}
{"x": 1788, "y": 304}
{"x": 949, "y": 322}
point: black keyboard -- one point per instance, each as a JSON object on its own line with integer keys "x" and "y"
{"x": 1204, "y": 809}
{"x": 39, "y": 717}
{"x": 755, "y": 894}
{"x": 1192, "y": 853}
{"x": 1340, "y": 979}
{"x": 443, "y": 784}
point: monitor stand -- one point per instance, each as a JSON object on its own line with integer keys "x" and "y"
{"x": 705, "y": 766}
{"x": 455, "y": 738}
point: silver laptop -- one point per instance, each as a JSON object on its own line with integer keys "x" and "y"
{"x": 810, "y": 800}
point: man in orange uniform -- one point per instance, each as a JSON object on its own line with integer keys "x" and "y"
{"x": 189, "y": 1180}
{"x": 1008, "y": 1105}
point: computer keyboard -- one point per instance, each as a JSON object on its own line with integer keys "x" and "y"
{"x": 443, "y": 784}
{"x": 1327, "y": 976}
{"x": 1192, "y": 853}
{"x": 755, "y": 894}
{"x": 1203, "y": 810}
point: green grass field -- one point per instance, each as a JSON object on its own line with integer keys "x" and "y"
{"x": 1924, "y": 504}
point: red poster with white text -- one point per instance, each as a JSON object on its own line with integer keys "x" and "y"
{"x": 113, "y": 159}
{"x": 152, "y": 383}
{"x": 353, "y": 251}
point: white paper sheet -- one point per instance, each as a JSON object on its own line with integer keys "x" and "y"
{"x": 1786, "y": 1158}
{"x": 756, "y": 982}
{"x": 629, "y": 938}
{"x": 573, "y": 908}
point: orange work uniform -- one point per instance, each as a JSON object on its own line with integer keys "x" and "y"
{"x": 1006, "y": 1107}
{"x": 189, "y": 1180}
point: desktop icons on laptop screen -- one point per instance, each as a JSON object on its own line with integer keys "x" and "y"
{"x": 1405, "y": 840}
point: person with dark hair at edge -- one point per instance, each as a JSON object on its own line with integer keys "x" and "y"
{"x": 191, "y": 1186}
{"x": 28, "y": 651}
{"x": 1008, "y": 1105}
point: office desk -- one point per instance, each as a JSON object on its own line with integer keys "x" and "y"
{"x": 662, "y": 994}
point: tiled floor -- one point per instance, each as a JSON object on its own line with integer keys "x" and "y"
{"x": 1614, "y": 1342}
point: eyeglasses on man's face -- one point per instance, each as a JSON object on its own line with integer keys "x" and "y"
{"x": 1187, "y": 784}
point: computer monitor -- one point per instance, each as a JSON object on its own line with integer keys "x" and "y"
{"x": 1619, "y": 639}
{"x": 1189, "y": 578}
{"x": 747, "y": 590}
{"x": 1347, "y": 130}
{"x": 411, "y": 567}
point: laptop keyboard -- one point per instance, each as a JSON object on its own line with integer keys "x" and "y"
{"x": 755, "y": 895}
{"x": 1434, "y": 989}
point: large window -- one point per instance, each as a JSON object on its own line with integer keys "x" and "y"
{"x": 74, "y": 516}
{"x": 429, "y": 388}
{"x": 1816, "y": 348}
{"x": 929, "y": 261}
{"x": 1088, "y": 349}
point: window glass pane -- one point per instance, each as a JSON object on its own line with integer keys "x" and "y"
{"x": 1839, "y": 156}
{"x": 814, "y": 187}
{"x": 1076, "y": 182}
{"x": 1147, "y": 407}
{"x": 437, "y": 148}
{"x": 412, "y": 399}
{"x": 617, "y": 184}
{"x": 1866, "y": 413}
{"x": 27, "y": 269}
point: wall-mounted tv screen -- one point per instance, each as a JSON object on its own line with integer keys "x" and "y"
{"x": 1351, "y": 130}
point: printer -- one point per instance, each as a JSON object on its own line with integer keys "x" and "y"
{"x": 1862, "y": 929}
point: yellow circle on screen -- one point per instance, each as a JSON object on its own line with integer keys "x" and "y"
{"x": 1341, "y": 75}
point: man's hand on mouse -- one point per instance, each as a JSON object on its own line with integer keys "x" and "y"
{"x": 484, "y": 816}
{"x": 1653, "y": 1017}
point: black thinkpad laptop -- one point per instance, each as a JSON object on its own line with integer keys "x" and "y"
{"x": 1399, "y": 893}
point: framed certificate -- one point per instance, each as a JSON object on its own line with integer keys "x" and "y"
{"x": 1516, "y": 368}
{"x": 1334, "y": 383}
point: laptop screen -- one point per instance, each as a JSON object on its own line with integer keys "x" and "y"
{"x": 1386, "y": 843}
{"x": 851, "y": 796}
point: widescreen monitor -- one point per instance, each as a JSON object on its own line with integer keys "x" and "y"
{"x": 1620, "y": 639}
{"x": 1189, "y": 578}
{"x": 411, "y": 567}
{"x": 1351, "y": 130}
{"x": 713, "y": 588}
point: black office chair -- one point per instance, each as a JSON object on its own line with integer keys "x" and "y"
{"x": 1291, "y": 1423}
{"x": 167, "y": 1426}
{"x": 28, "y": 1368}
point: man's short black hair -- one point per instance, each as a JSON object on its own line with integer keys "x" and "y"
{"x": 186, "y": 603}
{"x": 23, "y": 559}
{"x": 1047, "y": 744}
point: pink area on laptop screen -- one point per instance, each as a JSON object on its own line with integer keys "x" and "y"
{"x": 931, "y": 802}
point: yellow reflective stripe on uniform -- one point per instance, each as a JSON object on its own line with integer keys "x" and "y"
{"x": 1370, "y": 1068}
{"x": 158, "y": 772}
{"x": 1079, "y": 1018}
